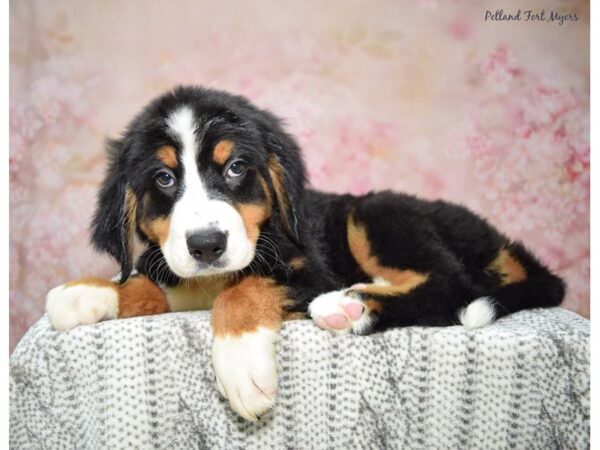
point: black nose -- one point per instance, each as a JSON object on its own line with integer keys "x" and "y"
{"x": 207, "y": 246}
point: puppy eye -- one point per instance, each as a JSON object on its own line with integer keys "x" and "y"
{"x": 164, "y": 179}
{"x": 236, "y": 169}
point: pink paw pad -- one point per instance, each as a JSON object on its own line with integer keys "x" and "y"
{"x": 354, "y": 310}
{"x": 336, "y": 321}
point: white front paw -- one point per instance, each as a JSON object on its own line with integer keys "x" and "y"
{"x": 69, "y": 305}
{"x": 246, "y": 371}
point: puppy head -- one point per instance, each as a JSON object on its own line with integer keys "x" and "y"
{"x": 201, "y": 174}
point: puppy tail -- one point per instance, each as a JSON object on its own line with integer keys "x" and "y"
{"x": 479, "y": 313}
{"x": 539, "y": 288}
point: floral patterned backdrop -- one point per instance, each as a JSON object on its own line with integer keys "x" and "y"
{"x": 421, "y": 96}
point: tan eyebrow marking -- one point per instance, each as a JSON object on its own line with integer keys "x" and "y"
{"x": 168, "y": 155}
{"x": 222, "y": 151}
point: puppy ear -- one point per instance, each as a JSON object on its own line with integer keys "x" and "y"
{"x": 114, "y": 221}
{"x": 286, "y": 170}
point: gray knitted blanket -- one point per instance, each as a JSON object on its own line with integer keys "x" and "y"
{"x": 148, "y": 383}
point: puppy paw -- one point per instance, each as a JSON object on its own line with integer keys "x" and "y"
{"x": 246, "y": 371}
{"x": 341, "y": 312}
{"x": 75, "y": 304}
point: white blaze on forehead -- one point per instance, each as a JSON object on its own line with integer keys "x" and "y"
{"x": 183, "y": 125}
{"x": 194, "y": 211}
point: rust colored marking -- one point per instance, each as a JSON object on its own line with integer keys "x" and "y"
{"x": 222, "y": 151}
{"x": 508, "y": 267}
{"x": 139, "y": 296}
{"x": 253, "y": 216}
{"x": 130, "y": 212}
{"x": 265, "y": 188}
{"x": 373, "y": 306}
{"x": 168, "y": 155}
{"x": 157, "y": 229}
{"x": 253, "y": 302}
{"x": 276, "y": 173}
{"x": 297, "y": 263}
{"x": 392, "y": 289}
{"x": 402, "y": 281}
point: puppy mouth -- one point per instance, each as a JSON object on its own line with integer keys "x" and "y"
{"x": 186, "y": 266}
{"x": 199, "y": 269}
{"x": 218, "y": 266}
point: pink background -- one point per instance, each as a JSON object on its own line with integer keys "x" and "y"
{"x": 420, "y": 96}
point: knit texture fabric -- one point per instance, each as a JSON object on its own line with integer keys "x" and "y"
{"x": 147, "y": 382}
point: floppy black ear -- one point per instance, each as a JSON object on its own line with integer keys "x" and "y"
{"x": 287, "y": 173}
{"x": 114, "y": 221}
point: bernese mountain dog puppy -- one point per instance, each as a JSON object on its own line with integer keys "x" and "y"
{"x": 216, "y": 190}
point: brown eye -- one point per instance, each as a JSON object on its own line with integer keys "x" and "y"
{"x": 165, "y": 179}
{"x": 236, "y": 169}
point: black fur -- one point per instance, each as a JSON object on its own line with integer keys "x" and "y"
{"x": 109, "y": 228}
{"x": 451, "y": 244}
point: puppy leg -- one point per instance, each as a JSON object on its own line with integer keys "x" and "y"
{"x": 435, "y": 300}
{"x": 91, "y": 300}
{"x": 417, "y": 279}
{"x": 246, "y": 318}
